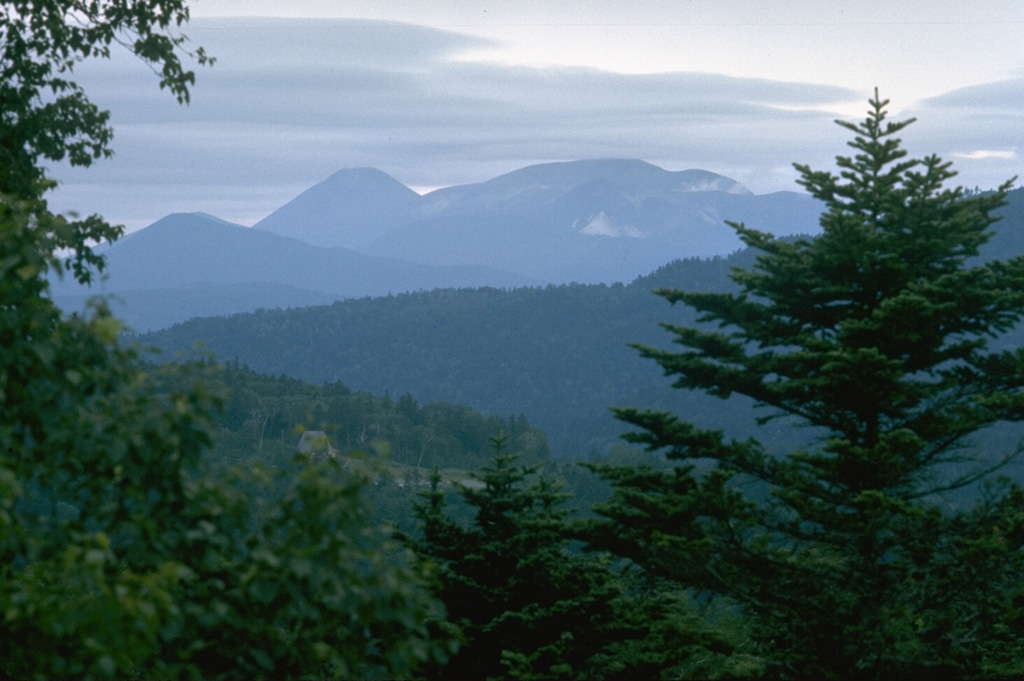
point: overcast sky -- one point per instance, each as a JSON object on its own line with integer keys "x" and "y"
{"x": 441, "y": 93}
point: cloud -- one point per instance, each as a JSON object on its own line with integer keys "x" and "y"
{"x": 291, "y": 101}
{"x": 1003, "y": 95}
{"x": 980, "y": 127}
{"x": 981, "y": 154}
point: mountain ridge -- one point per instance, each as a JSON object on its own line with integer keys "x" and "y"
{"x": 314, "y": 215}
{"x": 162, "y": 264}
{"x": 350, "y": 207}
{"x": 559, "y": 354}
{"x": 593, "y": 221}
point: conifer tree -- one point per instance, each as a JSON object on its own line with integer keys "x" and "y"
{"x": 527, "y": 607}
{"x": 531, "y": 605}
{"x": 846, "y": 553}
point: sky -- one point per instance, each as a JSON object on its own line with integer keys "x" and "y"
{"x": 460, "y": 91}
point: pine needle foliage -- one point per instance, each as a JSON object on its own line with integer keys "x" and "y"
{"x": 531, "y": 605}
{"x": 528, "y": 607}
{"x": 846, "y": 553}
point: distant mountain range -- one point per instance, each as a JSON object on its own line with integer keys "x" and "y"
{"x": 191, "y": 264}
{"x": 558, "y": 354}
{"x": 579, "y": 221}
{"x": 361, "y": 233}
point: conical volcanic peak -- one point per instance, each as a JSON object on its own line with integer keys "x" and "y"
{"x": 351, "y": 207}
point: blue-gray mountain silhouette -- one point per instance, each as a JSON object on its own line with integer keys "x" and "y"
{"x": 187, "y": 264}
{"x": 587, "y": 221}
{"x": 361, "y": 233}
{"x": 348, "y": 209}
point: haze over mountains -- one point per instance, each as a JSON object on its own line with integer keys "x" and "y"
{"x": 361, "y": 233}
{"x": 558, "y": 354}
{"x": 582, "y": 221}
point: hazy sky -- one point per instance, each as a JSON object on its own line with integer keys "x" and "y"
{"x": 440, "y": 93}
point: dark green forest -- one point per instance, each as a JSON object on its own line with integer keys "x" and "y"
{"x": 558, "y": 354}
{"x": 266, "y": 413}
{"x": 843, "y": 512}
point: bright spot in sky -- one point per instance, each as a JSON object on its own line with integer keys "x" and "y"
{"x": 988, "y": 153}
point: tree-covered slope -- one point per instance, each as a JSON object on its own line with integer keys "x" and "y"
{"x": 558, "y": 354}
{"x": 264, "y": 418}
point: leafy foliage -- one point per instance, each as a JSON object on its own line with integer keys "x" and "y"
{"x": 119, "y": 557}
{"x": 45, "y": 114}
{"x": 844, "y": 552}
{"x": 309, "y": 585}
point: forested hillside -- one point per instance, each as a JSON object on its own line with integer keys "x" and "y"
{"x": 156, "y": 521}
{"x": 559, "y": 354}
{"x": 264, "y": 417}
{"x": 201, "y": 520}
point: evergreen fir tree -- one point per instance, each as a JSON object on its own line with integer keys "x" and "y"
{"x": 845, "y": 553}
{"x": 531, "y": 605}
{"x": 527, "y": 607}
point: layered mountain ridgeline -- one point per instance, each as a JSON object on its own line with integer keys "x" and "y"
{"x": 580, "y": 221}
{"x": 190, "y": 264}
{"x": 595, "y": 221}
{"x": 558, "y": 354}
{"x": 362, "y": 233}
{"x": 356, "y": 207}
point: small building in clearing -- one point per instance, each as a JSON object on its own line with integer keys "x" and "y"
{"x": 316, "y": 443}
